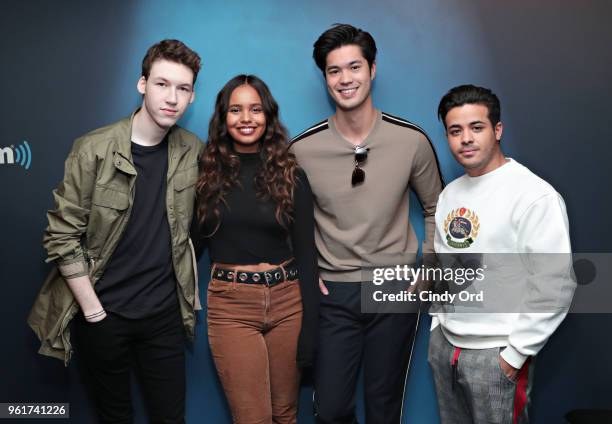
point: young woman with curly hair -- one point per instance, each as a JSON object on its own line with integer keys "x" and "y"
{"x": 255, "y": 214}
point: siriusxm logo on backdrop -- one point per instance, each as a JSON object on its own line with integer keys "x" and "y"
{"x": 20, "y": 155}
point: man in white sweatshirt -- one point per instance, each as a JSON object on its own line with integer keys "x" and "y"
{"x": 512, "y": 226}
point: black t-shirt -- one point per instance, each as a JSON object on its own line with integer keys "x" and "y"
{"x": 139, "y": 280}
{"x": 250, "y": 234}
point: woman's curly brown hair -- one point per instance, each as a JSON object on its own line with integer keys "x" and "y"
{"x": 219, "y": 164}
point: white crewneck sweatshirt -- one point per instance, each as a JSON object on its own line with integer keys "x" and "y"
{"x": 519, "y": 224}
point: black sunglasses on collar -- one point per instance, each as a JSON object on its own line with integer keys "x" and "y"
{"x": 361, "y": 155}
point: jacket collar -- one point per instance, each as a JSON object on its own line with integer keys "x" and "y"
{"x": 123, "y": 144}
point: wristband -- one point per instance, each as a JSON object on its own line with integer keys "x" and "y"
{"x": 95, "y": 315}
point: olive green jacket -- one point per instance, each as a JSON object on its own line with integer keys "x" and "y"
{"x": 92, "y": 207}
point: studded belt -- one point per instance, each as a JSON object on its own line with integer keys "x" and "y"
{"x": 270, "y": 277}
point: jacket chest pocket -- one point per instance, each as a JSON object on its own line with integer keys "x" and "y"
{"x": 108, "y": 206}
{"x": 184, "y": 192}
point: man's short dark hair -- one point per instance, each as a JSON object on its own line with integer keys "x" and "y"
{"x": 343, "y": 35}
{"x": 470, "y": 94}
{"x": 173, "y": 51}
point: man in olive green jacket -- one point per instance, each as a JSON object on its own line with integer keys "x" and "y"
{"x": 119, "y": 235}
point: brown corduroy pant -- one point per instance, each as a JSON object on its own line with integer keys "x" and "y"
{"x": 253, "y": 331}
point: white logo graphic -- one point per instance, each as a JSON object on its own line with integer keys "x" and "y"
{"x": 20, "y": 155}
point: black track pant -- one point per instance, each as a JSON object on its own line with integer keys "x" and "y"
{"x": 348, "y": 338}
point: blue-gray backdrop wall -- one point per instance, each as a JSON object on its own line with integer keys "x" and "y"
{"x": 70, "y": 66}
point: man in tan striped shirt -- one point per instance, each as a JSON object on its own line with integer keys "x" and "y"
{"x": 361, "y": 164}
